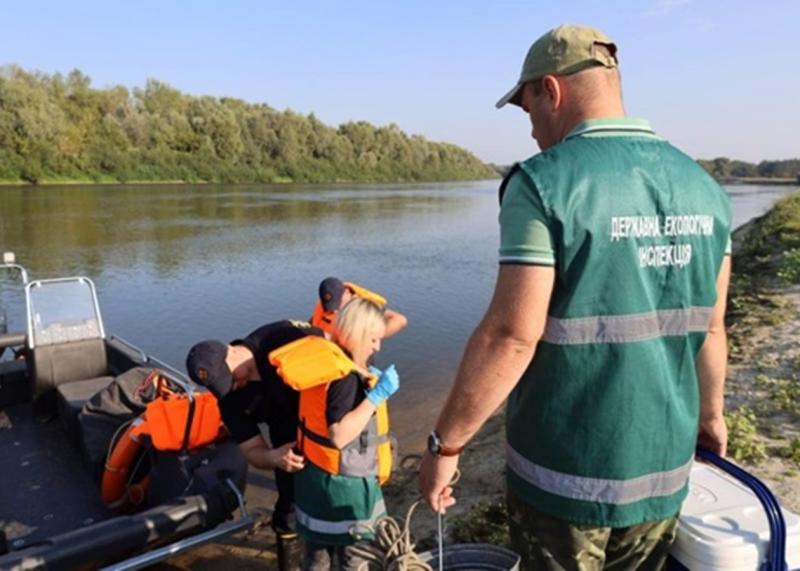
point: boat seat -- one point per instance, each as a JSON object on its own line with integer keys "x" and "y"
{"x": 71, "y": 397}
{"x": 63, "y": 363}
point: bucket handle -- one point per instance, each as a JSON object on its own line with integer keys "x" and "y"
{"x": 776, "y": 552}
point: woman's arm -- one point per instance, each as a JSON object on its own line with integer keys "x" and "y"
{"x": 351, "y": 424}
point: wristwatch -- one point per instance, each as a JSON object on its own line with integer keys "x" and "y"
{"x": 437, "y": 447}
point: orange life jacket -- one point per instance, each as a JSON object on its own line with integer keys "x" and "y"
{"x": 325, "y": 319}
{"x": 310, "y": 365}
{"x": 163, "y": 426}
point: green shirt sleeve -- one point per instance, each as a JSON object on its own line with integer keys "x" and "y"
{"x": 525, "y": 237}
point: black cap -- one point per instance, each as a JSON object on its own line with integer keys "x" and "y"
{"x": 330, "y": 293}
{"x": 206, "y": 365}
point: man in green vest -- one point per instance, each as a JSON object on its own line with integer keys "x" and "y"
{"x": 606, "y": 329}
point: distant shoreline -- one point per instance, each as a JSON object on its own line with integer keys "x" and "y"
{"x": 760, "y": 180}
{"x": 768, "y": 181}
{"x": 48, "y": 183}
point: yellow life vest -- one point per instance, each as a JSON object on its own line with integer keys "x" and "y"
{"x": 325, "y": 319}
{"x": 310, "y": 365}
{"x": 365, "y": 293}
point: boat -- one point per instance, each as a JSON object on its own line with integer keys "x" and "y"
{"x": 52, "y": 515}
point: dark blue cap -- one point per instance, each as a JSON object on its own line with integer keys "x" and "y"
{"x": 330, "y": 293}
{"x": 206, "y": 366}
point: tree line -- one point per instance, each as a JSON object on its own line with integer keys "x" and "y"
{"x": 55, "y": 127}
{"x": 725, "y": 168}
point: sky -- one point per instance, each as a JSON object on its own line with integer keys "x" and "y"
{"x": 716, "y": 78}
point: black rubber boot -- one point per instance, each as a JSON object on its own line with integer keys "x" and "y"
{"x": 290, "y": 550}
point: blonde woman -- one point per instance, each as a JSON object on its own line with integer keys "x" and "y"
{"x": 344, "y": 438}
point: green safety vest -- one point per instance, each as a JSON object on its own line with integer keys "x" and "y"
{"x": 601, "y": 429}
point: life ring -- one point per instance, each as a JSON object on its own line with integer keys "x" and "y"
{"x": 162, "y": 427}
{"x": 116, "y": 488}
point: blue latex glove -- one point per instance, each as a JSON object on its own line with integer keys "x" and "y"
{"x": 388, "y": 383}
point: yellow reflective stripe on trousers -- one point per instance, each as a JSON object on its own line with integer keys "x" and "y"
{"x": 338, "y": 527}
{"x": 627, "y": 328}
{"x": 600, "y": 490}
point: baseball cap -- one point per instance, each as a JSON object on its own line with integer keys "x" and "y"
{"x": 206, "y": 365}
{"x": 561, "y": 51}
{"x": 330, "y": 293}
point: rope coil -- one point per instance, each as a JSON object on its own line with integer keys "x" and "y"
{"x": 391, "y": 548}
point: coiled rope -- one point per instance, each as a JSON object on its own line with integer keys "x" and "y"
{"x": 391, "y": 548}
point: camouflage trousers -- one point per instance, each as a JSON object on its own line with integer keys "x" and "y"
{"x": 552, "y": 544}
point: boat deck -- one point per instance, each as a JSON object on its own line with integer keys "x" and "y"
{"x": 47, "y": 487}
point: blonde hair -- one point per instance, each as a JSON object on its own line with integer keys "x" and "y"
{"x": 356, "y": 321}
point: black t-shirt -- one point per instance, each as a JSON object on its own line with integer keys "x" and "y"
{"x": 343, "y": 396}
{"x": 269, "y": 400}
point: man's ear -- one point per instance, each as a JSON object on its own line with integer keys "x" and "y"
{"x": 554, "y": 91}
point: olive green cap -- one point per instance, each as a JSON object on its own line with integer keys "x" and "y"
{"x": 561, "y": 51}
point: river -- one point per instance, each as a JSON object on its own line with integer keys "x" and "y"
{"x": 176, "y": 264}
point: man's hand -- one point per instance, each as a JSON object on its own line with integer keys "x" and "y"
{"x": 284, "y": 458}
{"x": 435, "y": 475}
{"x": 713, "y": 435}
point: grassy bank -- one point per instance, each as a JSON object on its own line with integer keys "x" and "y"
{"x": 764, "y": 387}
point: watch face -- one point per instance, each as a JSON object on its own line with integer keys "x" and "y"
{"x": 433, "y": 444}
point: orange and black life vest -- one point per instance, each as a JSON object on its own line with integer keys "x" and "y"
{"x": 310, "y": 365}
{"x": 325, "y": 319}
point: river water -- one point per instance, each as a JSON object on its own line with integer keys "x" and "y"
{"x": 177, "y": 264}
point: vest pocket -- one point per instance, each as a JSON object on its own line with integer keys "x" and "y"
{"x": 360, "y": 458}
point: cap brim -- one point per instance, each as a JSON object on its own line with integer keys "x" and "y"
{"x": 510, "y": 97}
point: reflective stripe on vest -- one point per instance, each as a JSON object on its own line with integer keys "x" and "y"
{"x": 598, "y": 489}
{"x": 627, "y": 328}
{"x": 338, "y": 527}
